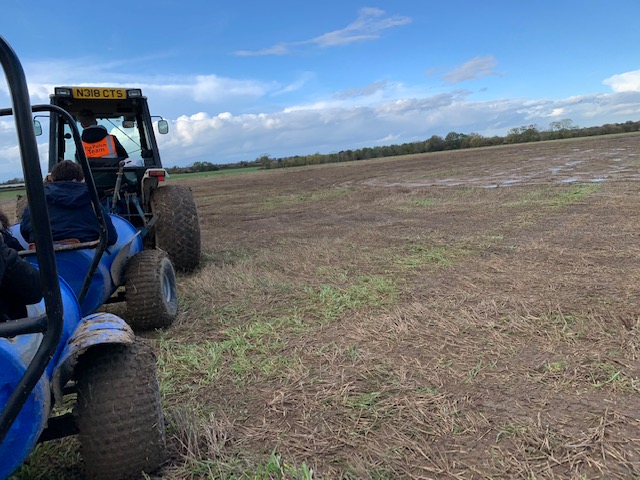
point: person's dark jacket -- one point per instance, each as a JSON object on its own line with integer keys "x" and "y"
{"x": 71, "y": 214}
{"x": 19, "y": 284}
{"x": 95, "y": 133}
{"x": 9, "y": 240}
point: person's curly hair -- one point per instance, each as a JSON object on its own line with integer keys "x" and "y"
{"x": 66, "y": 170}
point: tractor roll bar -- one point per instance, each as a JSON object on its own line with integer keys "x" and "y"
{"x": 88, "y": 178}
{"x": 52, "y": 330}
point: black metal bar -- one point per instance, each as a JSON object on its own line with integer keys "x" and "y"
{"x": 59, "y": 427}
{"x": 17, "y": 84}
{"x": 23, "y": 326}
{"x": 88, "y": 178}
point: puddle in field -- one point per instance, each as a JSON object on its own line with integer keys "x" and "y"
{"x": 580, "y": 166}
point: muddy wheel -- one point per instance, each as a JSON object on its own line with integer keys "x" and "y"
{"x": 150, "y": 291}
{"x": 177, "y": 230}
{"x": 118, "y": 413}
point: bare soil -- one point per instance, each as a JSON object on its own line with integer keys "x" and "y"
{"x": 518, "y": 358}
{"x": 469, "y": 314}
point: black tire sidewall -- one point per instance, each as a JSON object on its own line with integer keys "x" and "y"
{"x": 151, "y": 291}
{"x": 177, "y": 230}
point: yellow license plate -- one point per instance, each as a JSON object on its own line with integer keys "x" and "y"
{"x": 106, "y": 93}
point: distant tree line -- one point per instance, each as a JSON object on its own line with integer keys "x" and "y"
{"x": 209, "y": 167}
{"x": 13, "y": 181}
{"x": 452, "y": 141}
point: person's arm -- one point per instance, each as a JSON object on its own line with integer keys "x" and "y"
{"x": 120, "y": 150}
{"x": 21, "y": 280}
{"x": 10, "y": 240}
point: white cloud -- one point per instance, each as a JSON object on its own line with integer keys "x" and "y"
{"x": 212, "y": 88}
{"x": 477, "y": 67}
{"x": 371, "y": 89}
{"x": 296, "y": 84}
{"x": 281, "y": 49}
{"x": 379, "y": 113}
{"x": 369, "y": 25}
{"x": 624, "y": 82}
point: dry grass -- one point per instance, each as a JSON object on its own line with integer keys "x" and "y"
{"x": 395, "y": 319}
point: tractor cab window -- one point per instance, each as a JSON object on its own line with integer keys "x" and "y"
{"x": 128, "y": 132}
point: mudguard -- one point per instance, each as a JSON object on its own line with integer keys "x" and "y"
{"x": 96, "y": 329}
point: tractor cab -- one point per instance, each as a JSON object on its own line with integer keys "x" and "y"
{"x": 124, "y": 114}
{"x": 131, "y": 185}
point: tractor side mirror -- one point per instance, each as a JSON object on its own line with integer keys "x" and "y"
{"x": 128, "y": 123}
{"x": 163, "y": 127}
{"x": 37, "y": 126}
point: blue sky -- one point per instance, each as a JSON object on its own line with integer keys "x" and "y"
{"x": 240, "y": 79}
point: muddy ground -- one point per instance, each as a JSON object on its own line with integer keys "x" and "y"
{"x": 469, "y": 314}
{"x": 479, "y": 318}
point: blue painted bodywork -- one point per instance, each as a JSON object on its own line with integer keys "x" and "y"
{"x": 82, "y": 329}
{"x": 74, "y": 264}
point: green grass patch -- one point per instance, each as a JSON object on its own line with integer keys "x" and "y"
{"x": 216, "y": 173}
{"x": 186, "y": 367}
{"x": 54, "y": 460}
{"x": 574, "y": 194}
{"x": 277, "y": 468}
{"x": 362, "y": 401}
{"x": 272, "y": 467}
{"x": 417, "y": 203}
{"x": 567, "y": 326}
{"x": 370, "y": 291}
{"x": 11, "y": 194}
{"x": 425, "y": 202}
{"x": 250, "y": 350}
{"x": 560, "y": 196}
{"x": 430, "y": 256}
{"x": 509, "y": 430}
{"x": 558, "y": 366}
{"x": 602, "y": 374}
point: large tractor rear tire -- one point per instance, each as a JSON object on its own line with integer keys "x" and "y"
{"x": 119, "y": 414}
{"x": 177, "y": 230}
{"x": 150, "y": 291}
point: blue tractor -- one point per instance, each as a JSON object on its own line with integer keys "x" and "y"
{"x": 132, "y": 186}
{"x": 64, "y": 352}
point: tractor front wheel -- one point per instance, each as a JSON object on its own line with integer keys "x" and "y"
{"x": 118, "y": 412}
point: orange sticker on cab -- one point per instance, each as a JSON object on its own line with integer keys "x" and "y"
{"x": 93, "y": 92}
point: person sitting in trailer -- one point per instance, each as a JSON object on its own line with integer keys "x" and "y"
{"x": 71, "y": 212}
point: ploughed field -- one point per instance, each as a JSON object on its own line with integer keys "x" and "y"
{"x": 466, "y": 314}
